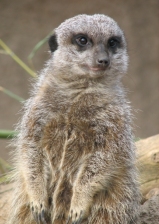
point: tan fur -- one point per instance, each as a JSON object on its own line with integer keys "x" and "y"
{"x": 75, "y": 156}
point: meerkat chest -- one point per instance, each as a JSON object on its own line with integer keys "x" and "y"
{"x": 78, "y": 130}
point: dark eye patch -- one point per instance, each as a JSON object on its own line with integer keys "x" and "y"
{"x": 114, "y": 43}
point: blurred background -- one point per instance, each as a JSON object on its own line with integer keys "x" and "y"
{"x": 24, "y": 23}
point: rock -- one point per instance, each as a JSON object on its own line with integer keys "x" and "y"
{"x": 147, "y": 163}
{"x": 154, "y": 191}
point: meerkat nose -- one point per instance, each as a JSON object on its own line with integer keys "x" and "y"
{"x": 104, "y": 62}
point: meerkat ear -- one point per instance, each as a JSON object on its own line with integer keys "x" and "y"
{"x": 53, "y": 43}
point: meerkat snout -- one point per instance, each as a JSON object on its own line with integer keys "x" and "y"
{"x": 102, "y": 59}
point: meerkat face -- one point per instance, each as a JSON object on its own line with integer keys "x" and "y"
{"x": 89, "y": 46}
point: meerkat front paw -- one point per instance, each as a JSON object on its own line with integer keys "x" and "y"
{"x": 75, "y": 217}
{"x": 78, "y": 213}
{"x": 40, "y": 213}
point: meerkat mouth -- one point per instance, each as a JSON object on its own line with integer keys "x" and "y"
{"x": 96, "y": 68}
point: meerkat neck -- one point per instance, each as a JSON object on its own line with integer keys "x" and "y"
{"x": 99, "y": 88}
{"x": 85, "y": 83}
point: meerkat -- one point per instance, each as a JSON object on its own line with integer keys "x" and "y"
{"x": 75, "y": 155}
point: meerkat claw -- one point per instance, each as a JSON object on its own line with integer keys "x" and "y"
{"x": 74, "y": 218}
{"x": 41, "y": 217}
{"x": 68, "y": 220}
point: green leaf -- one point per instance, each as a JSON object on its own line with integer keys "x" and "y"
{"x": 38, "y": 46}
{"x": 12, "y": 95}
{"x": 7, "y": 133}
{"x": 18, "y": 60}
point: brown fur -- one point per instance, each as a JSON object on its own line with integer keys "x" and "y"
{"x": 75, "y": 157}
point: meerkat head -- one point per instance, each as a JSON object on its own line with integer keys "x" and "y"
{"x": 89, "y": 46}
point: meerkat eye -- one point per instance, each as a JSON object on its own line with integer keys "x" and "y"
{"x": 114, "y": 42}
{"x": 82, "y": 41}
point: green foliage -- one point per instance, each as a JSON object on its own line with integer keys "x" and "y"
{"x": 7, "y": 134}
{"x": 18, "y": 60}
{"x": 12, "y": 95}
{"x": 38, "y": 46}
{"x": 4, "y": 169}
{"x": 8, "y": 51}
